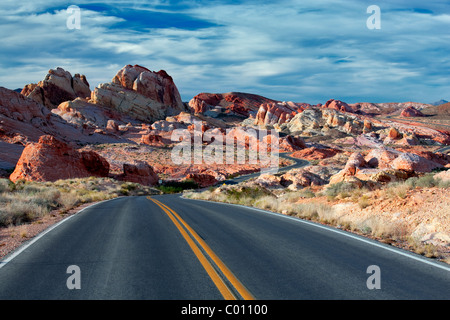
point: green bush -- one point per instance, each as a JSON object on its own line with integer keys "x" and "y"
{"x": 178, "y": 186}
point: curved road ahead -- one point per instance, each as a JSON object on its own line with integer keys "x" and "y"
{"x": 166, "y": 247}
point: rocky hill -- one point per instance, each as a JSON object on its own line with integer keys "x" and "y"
{"x": 141, "y": 107}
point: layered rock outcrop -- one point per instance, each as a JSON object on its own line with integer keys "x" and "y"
{"x": 278, "y": 113}
{"x": 338, "y": 105}
{"x": 140, "y": 93}
{"x": 57, "y": 87}
{"x": 291, "y": 143}
{"x": 82, "y": 113}
{"x": 315, "y": 120}
{"x": 237, "y": 103}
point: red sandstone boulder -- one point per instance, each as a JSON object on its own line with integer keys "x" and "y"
{"x": 197, "y": 105}
{"x": 381, "y": 157}
{"x": 314, "y": 153}
{"x": 411, "y": 112}
{"x": 291, "y": 143}
{"x": 414, "y": 163}
{"x": 51, "y": 160}
{"x": 202, "y": 179}
{"x": 152, "y": 139}
{"x": 356, "y": 159}
{"x": 112, "y": 126}
{"x": 299, "y": 178}
{"x": 139, "y": 172}
{"x": 394, "y": 134}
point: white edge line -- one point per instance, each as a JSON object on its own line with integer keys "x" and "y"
{"x": 329, "y": 228}
{"x": 43, "y": 233}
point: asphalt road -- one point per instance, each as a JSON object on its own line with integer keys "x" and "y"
{"x": 160, "y": 249}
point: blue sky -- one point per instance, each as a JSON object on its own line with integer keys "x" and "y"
{"x": 297, "y": 50}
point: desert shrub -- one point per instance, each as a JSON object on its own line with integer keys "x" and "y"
{"x": 426, "y": 181}
{"x": 4, "y": 185}
{"x": 398, "y": 189}
{"x": 294, "y": 196}
{"x": 307, "y": 193}
{"x": 17, "y": 212}
{"x": 364, "y": 202}
{"x": 382, "y": 228}
{"x": 426, "y": 249}
{"x": 266, "y": 203}
{"x": 178, "y": 186}
{"x": 69, "y": 201}
{"x": 343, "y": 189}
{"x": 236, "y": 194}
{"x": 313, "y": 211}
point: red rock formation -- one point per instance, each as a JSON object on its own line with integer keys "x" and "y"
{"x": 394, "y": 134}
{"x": 197, "y": 105}
{"x": 140, "y": 94}
{"x": 152, "y": 139}
{"x": 15, "y": 106}
{"x": 234, "y": 102}
{"x": 278, "y": 113}
{"x": 57, "y": 87}
{"x": 356, "y": 159}
{"x": 202, "y": 179}
{"x": 51, "y": 160}
{"x": 157, "y": 86}
{"x": 23, "y": 120}
{"x": 290, "y": 143}
{"x": 441, "y": 158}
{"x": 413, "y": 163}
{"x": 381, "y": 157}
{"x": 368, "y": 126}
{"x": 338, "y": 105}
{"x": 300, "y": 178}
{"x": 314, "y": 153}
{"x": 411, "y": 112}
{"x": 139, "y": 172}
{"x": 112, "y": 126}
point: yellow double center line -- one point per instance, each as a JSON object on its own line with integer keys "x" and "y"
{"x": 190, "y": 235}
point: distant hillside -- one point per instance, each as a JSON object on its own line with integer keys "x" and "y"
{"x": 442, "y": 110}
{"x": 437, "y": 103}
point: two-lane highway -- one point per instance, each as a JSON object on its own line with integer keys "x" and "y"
{"x": 125, "y": 248}
{"x": 139, "y": 248}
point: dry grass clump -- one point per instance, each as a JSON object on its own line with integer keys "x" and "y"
{"x": 25, "y": 201}
{"x": 400, "y": 189}
{"x": 260, "y": 198}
